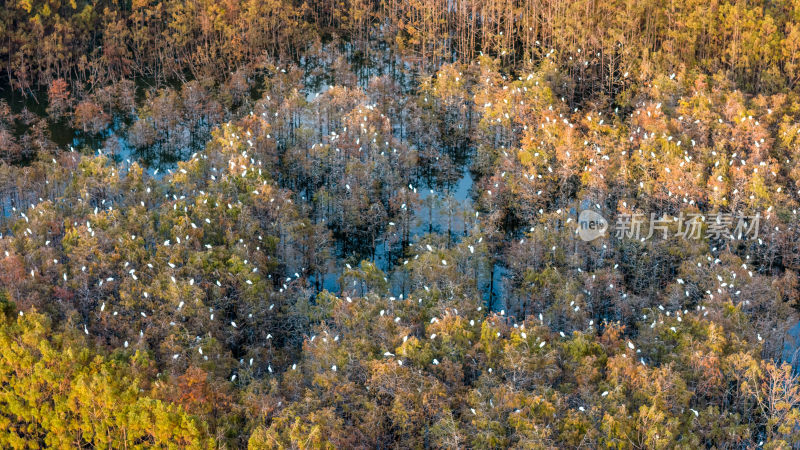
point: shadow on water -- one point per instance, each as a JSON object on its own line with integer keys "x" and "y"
{"x": 111, "y": 141}
{"x": 498, "y": 288}
{"x": 61, "y": 133}
{"x": 791, "y": 347}
{"x": 443, "y": 211}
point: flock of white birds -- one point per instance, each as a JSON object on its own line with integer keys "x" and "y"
{"x": 240, "y": 164}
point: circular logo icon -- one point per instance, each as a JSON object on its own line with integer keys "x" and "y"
{"x": 591, "y": 225}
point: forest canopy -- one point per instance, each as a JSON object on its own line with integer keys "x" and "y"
{"x": 399, "y": 224}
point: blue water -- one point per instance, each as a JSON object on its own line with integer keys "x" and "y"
{"x": 791, "y": 346}
{"x": 462, "y": 195}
